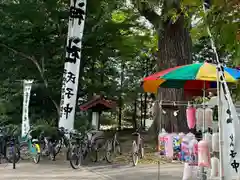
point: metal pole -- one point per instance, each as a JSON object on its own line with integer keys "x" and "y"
{"x": 14, "y": 153}
{"x": 221, "y": 177}
{"x": 219, "y": 101}
{"x": 204, "y": 177}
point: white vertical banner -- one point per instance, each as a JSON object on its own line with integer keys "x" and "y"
{"x": 230, "y": 125}
{"x": 27, "y": 86}
{"x": 72, "y": 63}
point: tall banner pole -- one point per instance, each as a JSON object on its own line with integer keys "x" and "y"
{"x": 229, "y": 123}
{"x": 27, "y": 86}
{"x": 72, "y": 63}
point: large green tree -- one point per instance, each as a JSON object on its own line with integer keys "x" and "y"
{"x": 172, "y": 20}
{"x": 32, "y": 46}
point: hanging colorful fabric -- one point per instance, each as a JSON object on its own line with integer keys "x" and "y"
{"x": 191, "y": 117}
{"x": 208, "y": 138}
{"x": 215, "y": 142}
{"x": 215, "y": 167}
{"x": 209, "y": 117}
{"x": 203, "y": 154}
{"x": 176, "y": 147}
{"x": 199, "y": 118}
{"x": 193, "y": 150}
{"x": 169, "y": 146}
{"x": 185, "y": 148}
{"x": 177, "y": 143}
{"x": 161, "y": 141}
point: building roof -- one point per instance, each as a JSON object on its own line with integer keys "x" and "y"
{"x": 98, "y": 103}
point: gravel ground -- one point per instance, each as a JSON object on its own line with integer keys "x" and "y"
{"x": 61, "y": 170}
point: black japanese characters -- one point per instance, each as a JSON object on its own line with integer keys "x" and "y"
{"x": 67, "y": 110}
{"x": 77, "y": 12}
{"x": 73, "y": 51}
{"x": 70, "y": 77}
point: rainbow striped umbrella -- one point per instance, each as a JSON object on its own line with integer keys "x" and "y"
{"x": 190, "y": 77}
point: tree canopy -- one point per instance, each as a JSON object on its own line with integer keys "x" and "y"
{"x": 120, "y": 47}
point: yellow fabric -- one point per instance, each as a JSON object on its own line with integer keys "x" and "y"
{"x": 151, "y": 86}
{"x": 38, "y": 148}
{"x": 208, "y": 72}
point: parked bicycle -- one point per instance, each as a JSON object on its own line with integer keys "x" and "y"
{"x": 9, "y": 146}
{"x": 84, "y": 144}
{"x": 51, "y": 141}
{"x": 75, "y": 149}
{"x": 30, "y": 147}
{"x": 137, "y": 147}
{"x": 62, "y": 141}
{"x": 113, "y": 147}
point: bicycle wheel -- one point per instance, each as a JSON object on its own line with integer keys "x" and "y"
{"x": 51, "y": 150}
{"x": 24, "y": 151}
{"x": 117, "y": 148}
{"x": 141, "y": 149}
{"x": 94, "y": 155}
{"x": 109, "y": 151}
{"x": 10, "y": 151}
{"x": 134, "y": 153}
{"x": 76, "y": 157}
{"x": 58, "y": 147}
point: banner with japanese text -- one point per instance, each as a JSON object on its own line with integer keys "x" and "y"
{"x": 27, "y": 86}
{"x": 72, "y": 63}
{"x": 230, "y": 134}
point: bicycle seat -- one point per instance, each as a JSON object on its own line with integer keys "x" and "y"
{"x": 93, "y": 132}
{"x": 34, "y": 140}
{"x": 136, "y": 134}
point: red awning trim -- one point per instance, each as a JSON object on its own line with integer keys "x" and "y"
{"x": 107, "y": 103}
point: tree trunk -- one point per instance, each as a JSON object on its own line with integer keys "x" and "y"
{"x": 174, "y": 44}
{"x": 134, "y": 118}
{"x": 141, "y": 109}
{"x": 120, "y": 97}
{"x": 145, "y": 111}
{"x": 174, "y": 48}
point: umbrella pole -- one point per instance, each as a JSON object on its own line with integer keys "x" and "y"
{"x": 204, "y": 177}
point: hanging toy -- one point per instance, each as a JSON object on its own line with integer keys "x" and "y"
{"x": 175, "y": 113}
{"x": 161, "y": 141}
{"x": 176, "y": 147}
{"x": 215, "y": 167}
{"x": 215, "y": 142}
{"x": 191, "y": 116}
{"x": 181, "y": 135}
{"x": 177, "y": 143}
{"x": 208, "y": 138}
{"x": 203, "y": 154}
{"x": 199, "y": 118}
{"x": 209, "y": 117}
{"x": 193, "y": 150}
{"x": 184, "y": 155}
{"x": 190, "y": 135}
{"x": 169, "y": 146}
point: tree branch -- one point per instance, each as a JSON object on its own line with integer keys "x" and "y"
{"x": 148, "y": 12}
{"x": 39, "y": 69}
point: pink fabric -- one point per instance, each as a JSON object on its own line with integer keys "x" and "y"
{"x": 169, "y": 146}
{"x": 203, "y": 154}
{"x": 191, "y": 117}
{"x": 195, "y": 149}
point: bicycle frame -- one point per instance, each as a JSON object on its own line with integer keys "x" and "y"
{"x": 33, "y": 147}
